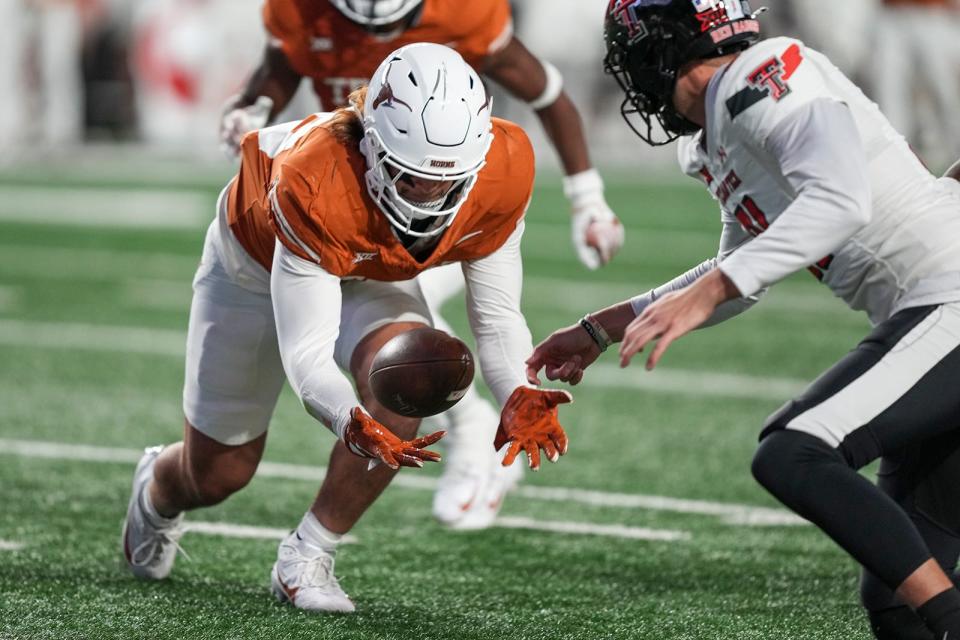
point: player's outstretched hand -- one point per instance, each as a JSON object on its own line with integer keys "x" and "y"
{"x": 237, "y": 121}
{"x": 529, "y": 423}
{"x": 674, "y": 315}
{"x": 368, "y": 438}
{"x": 563, "y": 355}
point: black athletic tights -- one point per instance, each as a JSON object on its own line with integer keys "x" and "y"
{"x": 914, "y": 511}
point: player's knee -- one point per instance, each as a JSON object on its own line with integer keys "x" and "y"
{"x": 213, "y": 483}
{"x": 773, "y": 461}
{"x": 786, "y": 460}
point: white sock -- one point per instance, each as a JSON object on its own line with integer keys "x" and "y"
{"x": 472, "y": 422}
{"x": 150, "y": 511}
{"x": 312, "y": 532}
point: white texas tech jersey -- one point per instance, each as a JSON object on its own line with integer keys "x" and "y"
{"x": 908, "y": 254}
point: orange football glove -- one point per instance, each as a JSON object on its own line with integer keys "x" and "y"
{"x": 529, "y": 423}
{"x": 368, "y": 438}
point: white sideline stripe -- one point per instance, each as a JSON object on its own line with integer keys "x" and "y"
{"x": 9, "y": 299}
{"x": 95, "y": 265}
{"x": 232, "y": 530}
{"x": 84, "y": 337}
{"x": 729, "y": 513}
{"x": 164, "y": 281}
{"x": 581, "y": 296}
{"x": 168, "y": 342}
{"x": 9, "y": 545}
{"x": 585, "y": 528}
{"x": 577, "y": 297}
{"x": 693, "y": 382}
{"x": 106, "y": 207}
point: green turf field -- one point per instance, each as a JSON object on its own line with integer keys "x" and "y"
{"x": 92, "y": 319}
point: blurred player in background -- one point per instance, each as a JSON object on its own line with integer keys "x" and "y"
{"x": 40, "y": 72}
{"x": 915, "y": 72}
{"x": 310, "y": 264}
{"x": 809, "y": 175}
{"x": 338, "y": 44}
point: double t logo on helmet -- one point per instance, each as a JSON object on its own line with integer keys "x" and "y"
{"x": 648, "y": 41}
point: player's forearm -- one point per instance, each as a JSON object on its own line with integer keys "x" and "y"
{"x": 540, "y": 85}
{"x": 563, "y": 126}
{"x": 321, "y": 386}
{"x": 494, "y": 286}
{"x": 328, "y": 396}
{"x": 501, "y": 332}
{"x": 306, "y": 308}
{"x": 731, "y": 307}
{"x": 501, "y": 351}
{"x": 614, "y": 319}
{"x": 275, "y": 79}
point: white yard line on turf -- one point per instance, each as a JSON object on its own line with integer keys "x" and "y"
{"x": 233, "y": 530}
{"x": 609, "y": 530}
{"x": 9, "y": 299}
{"x": 9, "y": 545}
{"x": 107, "y": 207}
{"x": 95, "y": 265}
{"x": 729, "y": 513}
{"x": 84, "y": 337}
{"x": 578, "y": 296}
{"x": 139, "y": 207}
{"x": 164, "y": 281}
{"x": 692, "y": 382}
{"x": 167, "y": 342}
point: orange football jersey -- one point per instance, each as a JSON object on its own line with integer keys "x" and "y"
{"x": 340, "y": 56}
{"x": 299, "y": 183}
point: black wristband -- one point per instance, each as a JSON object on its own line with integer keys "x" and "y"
{"x": 594, "y": 333}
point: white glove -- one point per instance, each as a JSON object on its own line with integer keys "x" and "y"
{"x": 238, "y": 121}
{"x": 597, "y": 233}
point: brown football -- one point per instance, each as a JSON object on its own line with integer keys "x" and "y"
{"x": 421, "y": 372}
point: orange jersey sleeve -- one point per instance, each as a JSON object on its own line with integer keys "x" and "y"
{"x": 340, "y": 56}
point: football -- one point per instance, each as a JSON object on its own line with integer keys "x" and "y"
{"x": 421, "y": 373}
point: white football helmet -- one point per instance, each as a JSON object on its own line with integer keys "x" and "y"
{"x": 427, "y": 115}
{"x": 376, "y": 13}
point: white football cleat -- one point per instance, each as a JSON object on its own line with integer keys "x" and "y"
{"x": 149, "y": 544}
{"x": 462, "y": 485}
{"x": 500, "y": 480}
{"x": 472, "y": 489}
{"x": 303, "y": 576}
